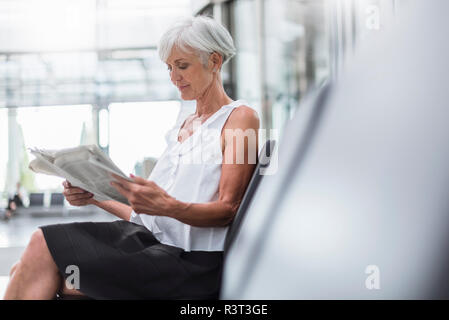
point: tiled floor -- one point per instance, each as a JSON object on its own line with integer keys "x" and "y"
{"x": 15, "y": 234}
{"x": 16, "y": 231}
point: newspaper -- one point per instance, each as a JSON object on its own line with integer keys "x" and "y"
{"x": 85, "y": 167}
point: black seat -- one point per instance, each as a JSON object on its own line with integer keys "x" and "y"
{"x": 36, "y": 199}
{"x": 57, "y": 199}
{"x": 263, "y": 162}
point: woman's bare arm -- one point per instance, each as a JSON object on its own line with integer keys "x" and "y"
{"x": 239, "y": 161}
{"x": 118, "y": 209}
{"x": 79, "y": 197}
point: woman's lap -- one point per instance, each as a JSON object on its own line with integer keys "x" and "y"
{"x": 122, "y": 260}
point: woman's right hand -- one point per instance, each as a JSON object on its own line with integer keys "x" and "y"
{"x": 77, "y": 196}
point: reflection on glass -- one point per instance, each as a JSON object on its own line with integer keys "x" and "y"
{"x": 247, "y": 71}
{"x": 297, "y": 54}
{"x": 283, "y": 52}
{"x": 285, "y": 48}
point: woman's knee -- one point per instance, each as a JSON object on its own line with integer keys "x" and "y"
{"x": 13, "y": 268}
{"x": 37, "y": 240}
{"x": 37, "y": 250}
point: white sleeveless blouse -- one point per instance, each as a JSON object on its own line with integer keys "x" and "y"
{"x": 190, "y": 172}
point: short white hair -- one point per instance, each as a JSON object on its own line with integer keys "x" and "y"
{"x": 202, "y": 34}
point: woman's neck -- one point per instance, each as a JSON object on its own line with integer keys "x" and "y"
{"x": 213, "y": 99}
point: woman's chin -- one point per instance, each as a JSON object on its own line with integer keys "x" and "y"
{"x": 187, "y": 97}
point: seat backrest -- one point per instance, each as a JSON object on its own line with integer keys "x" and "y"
{"x": 263, "y": 162}
{"x": 57, "y": 199}
{"x": 354, "y": 211}
{"x": 36, "y": 199}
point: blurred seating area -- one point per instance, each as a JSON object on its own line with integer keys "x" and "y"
{"x": 39, "y": 206}
{"x": 56, "y": 207}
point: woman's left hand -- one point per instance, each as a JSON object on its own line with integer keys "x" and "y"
{"x": 144, "y": 196}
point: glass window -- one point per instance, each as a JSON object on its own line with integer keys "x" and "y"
{"x": 297, "y": 54}
{"x": 3, "y": 153}
{"x": 246, "y": 63}
{"x": 137, "y": 131}
{"x": 285, "y": 48}
{"x": 55, "y": 52}
{"x": 103, "y": 128}
{"x": 52, "y": 127}
{"x": 283, "y": 51}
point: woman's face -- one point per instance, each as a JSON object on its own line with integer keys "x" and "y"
{"x": 188, "y": 74}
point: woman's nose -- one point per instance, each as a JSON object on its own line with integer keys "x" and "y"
{"x": 175, "y": 76}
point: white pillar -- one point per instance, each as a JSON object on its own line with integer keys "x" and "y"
{"x": 14, "y": 149}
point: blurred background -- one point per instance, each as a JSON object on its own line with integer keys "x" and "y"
{"x": 87, "y": 72}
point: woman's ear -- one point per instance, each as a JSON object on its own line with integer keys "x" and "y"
{"x": 216, "y": 60}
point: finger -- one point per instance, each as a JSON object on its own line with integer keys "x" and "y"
{"x": 117, "y": 177}
{"x": 78, "y": 203}
{"x": 79, "y": 197}
{"x": 74, "y": 190}
{"x": 139, "y": 180}
{"x": 124, "y": 183}
{"x": 138, "y": 208}
{"x": 71, "y": 197}
{"x": 119, "y": 187}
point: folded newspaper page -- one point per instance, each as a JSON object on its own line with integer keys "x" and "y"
{"x": 85, "y": 167}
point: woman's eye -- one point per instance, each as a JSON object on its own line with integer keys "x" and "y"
{"x": 182, "y": 67}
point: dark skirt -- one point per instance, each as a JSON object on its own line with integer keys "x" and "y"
{"x": 123, "y": 260}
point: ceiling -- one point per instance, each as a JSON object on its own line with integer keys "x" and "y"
{"x": 55, "y": 52}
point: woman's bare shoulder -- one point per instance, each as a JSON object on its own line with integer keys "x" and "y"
{"x": 243, "y": 117}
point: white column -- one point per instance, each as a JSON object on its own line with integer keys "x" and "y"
{"x": 14, "y": 149}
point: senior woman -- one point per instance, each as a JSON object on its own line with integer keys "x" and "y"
{"x": 169, "y": 241}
